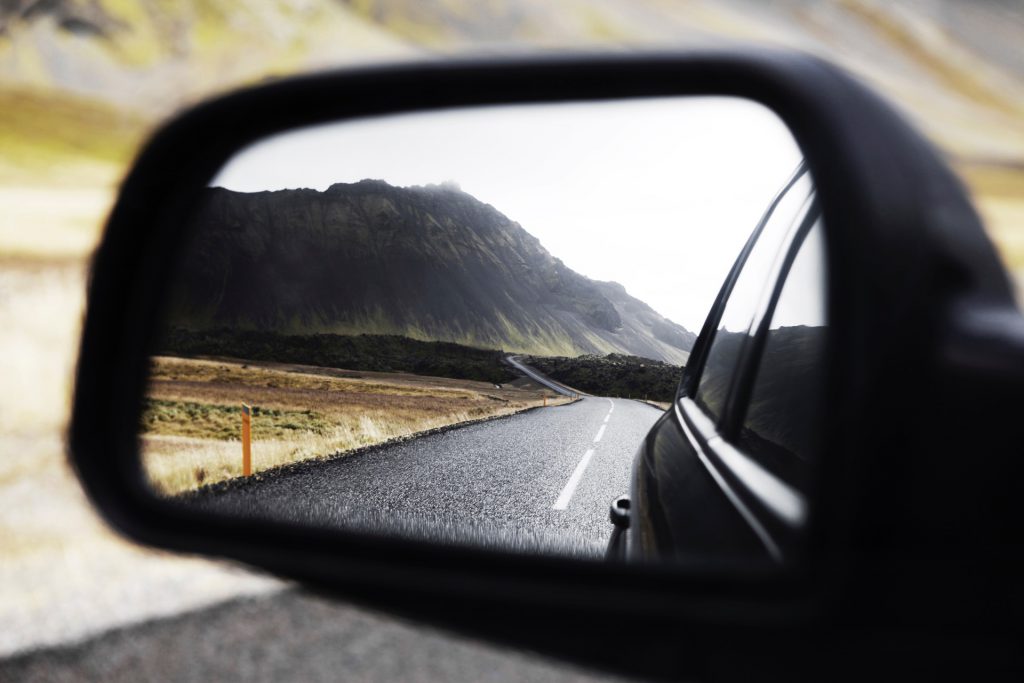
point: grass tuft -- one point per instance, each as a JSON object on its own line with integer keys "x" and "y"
{"x": 223, "y": 422}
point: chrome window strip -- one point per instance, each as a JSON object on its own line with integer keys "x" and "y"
{"x": 752, "y": 521}
{"x": 781, "y": 499}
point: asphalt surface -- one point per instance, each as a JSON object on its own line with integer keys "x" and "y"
{"x": 539, "y": 481}
{"x": 290, "y": 636}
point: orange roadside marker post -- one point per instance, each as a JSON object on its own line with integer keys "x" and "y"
{"x": 545, "y": 400}
{"x": 246, "y": 448}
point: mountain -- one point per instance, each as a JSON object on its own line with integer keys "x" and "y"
{"x": 430, "y": 263}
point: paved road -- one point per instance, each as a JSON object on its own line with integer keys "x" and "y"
{"x": 536, "y": 481}
{"x": 540, "y": 480}
{"x": 290, "y": 636}
{"x": 538, "y": 377}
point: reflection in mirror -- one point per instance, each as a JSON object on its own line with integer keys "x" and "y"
{"x": 462, "y": 325}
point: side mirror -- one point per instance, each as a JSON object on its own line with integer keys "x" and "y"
{"x": 308, "y": 350}
{"x": 618, "y": 515}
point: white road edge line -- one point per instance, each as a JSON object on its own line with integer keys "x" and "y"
{"x": 606, "y": 418}
{"x": 600, "y": 433}
{"x": 574, "y": 481}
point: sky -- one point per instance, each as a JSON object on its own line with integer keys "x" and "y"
{"x": 656, "y": 194}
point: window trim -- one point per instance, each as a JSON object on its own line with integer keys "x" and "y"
{"x": 774, "y": 510}
{"x": 741, "y": 387}
{"x": 699, "y": 353}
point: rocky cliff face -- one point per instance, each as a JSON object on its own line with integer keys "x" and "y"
{"x": 430, "y": 263}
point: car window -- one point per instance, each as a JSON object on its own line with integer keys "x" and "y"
{"x": 779, "y": 429}
{"x": 748, "y": 295}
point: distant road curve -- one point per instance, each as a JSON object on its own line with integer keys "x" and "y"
{"x": 541, "y": 378}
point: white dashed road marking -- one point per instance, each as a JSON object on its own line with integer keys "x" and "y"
{"x": 574, "y": 481}
{"x": 570, "y": 486}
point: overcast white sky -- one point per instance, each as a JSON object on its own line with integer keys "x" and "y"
{"x": 657, "y": 194}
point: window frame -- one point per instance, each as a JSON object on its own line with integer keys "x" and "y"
{"x": 741, "y": 386}
{"x": 699, "y": 355}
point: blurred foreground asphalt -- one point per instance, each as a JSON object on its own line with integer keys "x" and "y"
{"x": 289, "y": 636}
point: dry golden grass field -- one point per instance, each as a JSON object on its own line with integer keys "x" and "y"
{"x": 191, "y": 424}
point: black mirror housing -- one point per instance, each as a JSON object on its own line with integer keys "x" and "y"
{"x": 925, "y": 377}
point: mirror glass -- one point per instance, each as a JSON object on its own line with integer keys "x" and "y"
{"x": 470, "y": 326}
